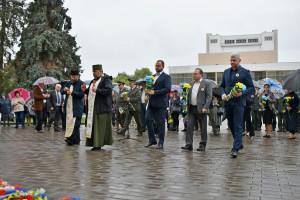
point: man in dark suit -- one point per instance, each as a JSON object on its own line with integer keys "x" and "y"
{"x": 199, "y": 99}
{"x": 158, "y": 103}
{"x": 133, "y": 106}
{"x": 73, "y": 107}
{"x": 235, "y": 107}
{"x": 39, "y": 96}
{"x": 55, "y": 103}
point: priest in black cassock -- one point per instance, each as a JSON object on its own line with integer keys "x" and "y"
{"x": 99, "y": 130}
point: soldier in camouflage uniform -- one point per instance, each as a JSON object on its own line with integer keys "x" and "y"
{"x": 256, "y": 112}
{"x": 281, "y": 115}
{"x": 120, "y": 103}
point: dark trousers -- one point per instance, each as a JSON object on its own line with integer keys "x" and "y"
{"x": 55, "y": 116}
{"x": 63, "y": 120}
{"x": 121, "y": 118}
{"x": 235, "y": 120}
{"x": 291, "y": 121}
{"x": 160, "y": 113}
{"x": 194, "y": 115}
{"x": 143, "y": 115}
{"x": 184, "y": 120}
{"x": 40, "y": 118}
{"x": 212, "y": 120}
{"x": 247, "y": 124}
{"x": 256, "y": 119}
{"x": 175, "y": 117}
{"x": 129, "y": 115}
{"x": 75, "y": 137}
{"x": 113, "y": 119}
{"x": 281, "y": 121}
{"x": 20, "y": 118}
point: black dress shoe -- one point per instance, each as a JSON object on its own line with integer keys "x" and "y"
{"x": 234, "y": 154}
{"x": 69, "y": 142}
{"x": 159, "y": 146}
{"x": 40, "y": 131}
{"x": 187, "y": 147}
{"x": 57, "y": 130}
{"x": 258, "y": 129}
{"x": 139, "y": 134}
{"x": 96, "y": 149}
{"x": 184, "y": 130}
{"x": 201, "y": 147}
{"x": 216, "y": 132}
{"x": 151, "y": 143}
{"x": 241, "y": 146}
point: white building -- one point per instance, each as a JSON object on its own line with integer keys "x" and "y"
{"x": 259, "y": 54}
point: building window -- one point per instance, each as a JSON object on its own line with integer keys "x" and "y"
{"x": 241, "y": 41}
{"x": 211, "y": 76}
{"x": 258, "y": 75}
{"x": 252, "y": 40}
{"x": 229, "y": 41}
{"x": 214, "y": 41}
{"x": 268, "y": 38}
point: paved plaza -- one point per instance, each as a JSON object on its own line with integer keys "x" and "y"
{"x": 264, "y": 169}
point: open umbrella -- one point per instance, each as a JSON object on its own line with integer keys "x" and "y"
{"x": 25, "y": 94}
{"x": 47, "y": 80}
{"x": 256, "y": 85}
{"x": 176, "y": 87}
{"x": 292, "y": 81}
{"x": 275, "y": 87}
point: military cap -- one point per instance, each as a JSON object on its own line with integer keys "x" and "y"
{"x": 120, "y": 82}
{"x": 74, "y": 72}
{"x": 97, "y": 67}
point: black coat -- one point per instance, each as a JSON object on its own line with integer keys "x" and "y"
{"x": 294, "y": 102}
{"x": 103, "y": 100}
{"x": 5, "y": 105}
{"x": 78, "y": 97}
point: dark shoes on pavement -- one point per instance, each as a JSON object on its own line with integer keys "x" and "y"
{"x": 151, "y": 143}
{"x": 187, "y": 147}
{"x": 234, "y": 154}
{"x": 201, "y": 147}
{"x": 159, "y": 146}
{"x": 96, "y": 149}
{"x": 267, "y": 136}
{"x": 139, "y": 134}
{"x": 40, "y": 131}
{"x": 69, "y": 142}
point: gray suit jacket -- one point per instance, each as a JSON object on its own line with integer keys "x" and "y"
{"x": 204, "y": 95}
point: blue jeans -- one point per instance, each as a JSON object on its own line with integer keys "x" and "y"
{"x": 161, "y": 115}
{"x": 235, "y": 121}
{"x": 20, "y": 118}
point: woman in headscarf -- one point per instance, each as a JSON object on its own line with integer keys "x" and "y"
{"x": 5, "y": 109}
{"x": 266, "y": 101}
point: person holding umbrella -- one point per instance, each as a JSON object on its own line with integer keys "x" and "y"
{"x": 18, "y": 108}
{"x": 267, "y": 101}
{"x": 40, "y": 95}
{"x": 291, "y": 102}
{"x": 5, "y": 108}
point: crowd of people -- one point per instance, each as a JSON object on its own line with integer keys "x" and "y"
{"x": 202, "y": 105}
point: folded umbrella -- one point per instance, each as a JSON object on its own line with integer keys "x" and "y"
{"x": 292, "y": 81}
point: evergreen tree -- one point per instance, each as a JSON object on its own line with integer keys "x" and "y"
{"x": 47, "y": 48}
{"x": 11, "y": 24}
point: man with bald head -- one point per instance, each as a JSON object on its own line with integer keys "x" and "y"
{"x": 234, "y": 108}
{"x": 39, "y": 96}
{"x": 55, "y": 103}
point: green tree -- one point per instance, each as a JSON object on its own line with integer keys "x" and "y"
{"x": 142, "y": 73}
{"x": 9, "y": 82}
{"x": 11, "y": 24}
{"x": 47, "y": 48}
{"x": 123, "y": 77}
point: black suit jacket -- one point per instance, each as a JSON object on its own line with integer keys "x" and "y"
{"x": 52, "y": 101}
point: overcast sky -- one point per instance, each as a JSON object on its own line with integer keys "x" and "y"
{"x": 124, "y": 35}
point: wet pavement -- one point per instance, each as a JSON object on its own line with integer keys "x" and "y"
{"x": 264, "y": 169}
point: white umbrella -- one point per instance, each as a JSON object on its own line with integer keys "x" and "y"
{"x": 47, "y": 80}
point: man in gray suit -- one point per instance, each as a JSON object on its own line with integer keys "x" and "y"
{"x": 55, "y": 104}
{"x": 199, "y": 99}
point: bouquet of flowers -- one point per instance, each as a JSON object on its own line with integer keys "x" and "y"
{"x": 239, "y": 87}
{"x": 185, "y": 89}
{"x": 149, "y": 82}
{"x": 125, "y": 96}
{"x": 287, "y": 101}
{"x": 121, "y": 110}
{"x": 170, "y": 120}
{"x": 10, "y": 192}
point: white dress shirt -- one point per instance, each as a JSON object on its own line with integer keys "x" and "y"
{"x": 143, "y": 96}
{"x": 195, "y": 92}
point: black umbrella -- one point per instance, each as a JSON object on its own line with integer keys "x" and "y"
{"x": 292, "y": 81}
